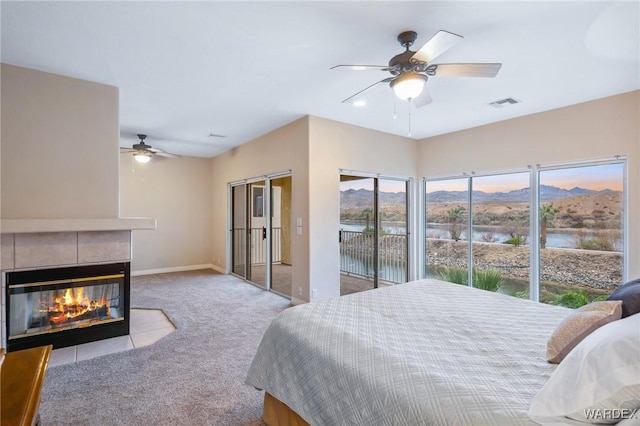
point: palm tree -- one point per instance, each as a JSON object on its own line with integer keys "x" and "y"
{"x": 547, "y": 213}
{"x": 365, "y": 213}
{"x": 456, "y": 216}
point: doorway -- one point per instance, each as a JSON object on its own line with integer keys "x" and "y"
{"x": 261, "y": 232}
{"x": 373, "y": 233}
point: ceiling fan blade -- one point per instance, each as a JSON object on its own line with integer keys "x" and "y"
{"x": 439, "y": 43}
{"x": 161, "y": 153}
{"x": 464, "y": 70}
{"x": 353, "y": 97}
{"x": 126, "y": 150}
{"x": 166, "y": 154}
{"x": 423, "y": 99}
{"x": 365, "y": 67}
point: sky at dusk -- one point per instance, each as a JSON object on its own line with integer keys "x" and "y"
{"x": 597, "y": 178}
{"x": 385, "y": 185}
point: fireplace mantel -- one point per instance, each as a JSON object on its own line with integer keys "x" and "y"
{"x": 23, "y": 226}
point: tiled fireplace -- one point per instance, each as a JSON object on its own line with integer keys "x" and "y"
{"x": 64, "y": 288}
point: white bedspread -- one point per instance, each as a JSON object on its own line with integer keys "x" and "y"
{"x": 420, "y": 353}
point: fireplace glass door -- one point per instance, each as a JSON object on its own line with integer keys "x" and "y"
{"x": 43, "y": 308}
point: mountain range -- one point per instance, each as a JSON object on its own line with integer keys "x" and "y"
{"x": 360, "y": 197}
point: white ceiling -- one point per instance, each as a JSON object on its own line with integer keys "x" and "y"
{"x": 240, "y": 69}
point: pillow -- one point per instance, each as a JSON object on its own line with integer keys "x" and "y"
{"x": 598, "y": 382}
{"x": 629, "y": 293}
{"x": 582, "y": 322}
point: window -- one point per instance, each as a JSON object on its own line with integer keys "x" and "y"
{"x": 576, "y": 230}
{"x": 258, "y": 201}
{"x": 446, "y": 223}
{"x": 500, "y": 213}
{"x": 581, "y": 233}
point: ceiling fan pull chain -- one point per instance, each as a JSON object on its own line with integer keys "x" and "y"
{"x": 409, "y": 120}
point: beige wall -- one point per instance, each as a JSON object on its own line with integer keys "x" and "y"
{"x": 315, "y": 150}
{"x": 589, "y": 131}
{"x": 177, "y": 192}
{"x": 283, "y": 149}
{"x": 59, "y": 147}
{"x": 335, "y": 146}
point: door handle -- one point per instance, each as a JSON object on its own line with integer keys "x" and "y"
{"x": 264, "y": 233}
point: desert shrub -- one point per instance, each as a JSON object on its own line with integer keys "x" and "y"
{"x": 488, "y": 237}
{"x": 572, "y": 299}
{"x": 368, "y": 230}
{"x": 455, "y": 275}
{"x": 605, "y": 241}
{"x": 516, "y": 240}
{"x": 517, "y": 231}
{"x": 487, "y": 279}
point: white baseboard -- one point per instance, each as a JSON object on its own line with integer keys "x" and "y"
{"x": 219, "y": 269}
{"x": 296, "y": 301}
{"x": 178, "y": 269}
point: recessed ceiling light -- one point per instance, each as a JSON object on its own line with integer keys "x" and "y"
{"x": 359, "y": 103}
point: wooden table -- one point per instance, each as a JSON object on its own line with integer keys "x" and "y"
{"x": 21, "y": 378}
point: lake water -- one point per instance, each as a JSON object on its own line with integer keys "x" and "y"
{"x": 555, "y": 238}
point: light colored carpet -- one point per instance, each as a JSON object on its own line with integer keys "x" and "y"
{"x": 194, "y": 376}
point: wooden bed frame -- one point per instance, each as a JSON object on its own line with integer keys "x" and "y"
{"x": 277, "y": 413}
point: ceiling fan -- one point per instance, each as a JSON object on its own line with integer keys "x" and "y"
{"x": 143, "y": 152}
{"x": 410, "y": 70}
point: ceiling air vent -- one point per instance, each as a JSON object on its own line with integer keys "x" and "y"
{"x": 505, "y": 102}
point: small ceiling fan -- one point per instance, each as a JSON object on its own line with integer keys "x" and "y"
{"x": 410, "y": 70}
{"x": 143, "y": 152}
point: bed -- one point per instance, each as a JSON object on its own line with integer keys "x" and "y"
{"x": 421, "y": 353}
{"x": 436, "y": 353}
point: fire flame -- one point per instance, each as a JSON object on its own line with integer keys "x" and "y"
{"x": 73, "y": 305}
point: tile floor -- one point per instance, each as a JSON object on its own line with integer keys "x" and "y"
{"x": 146, "y": 327}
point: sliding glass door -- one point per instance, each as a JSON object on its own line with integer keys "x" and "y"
{"x": 239, "y": 230}
{"x": 373, "y": 232}
{"x": 281, "y": 228}
{"x": 257, "y": 237}
{"x": 261, "y": 232}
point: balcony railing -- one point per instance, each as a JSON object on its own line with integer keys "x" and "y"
{"x": 356, "y": 253}
{"x": 258, "y": 245}
{"x": 357, "y": 250}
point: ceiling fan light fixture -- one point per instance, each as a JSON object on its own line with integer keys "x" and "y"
{"x": 409, "y": 85}
{"x": 142, "y": 157}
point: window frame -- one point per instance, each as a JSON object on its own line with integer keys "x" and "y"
{"x": 534, "y": 219}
